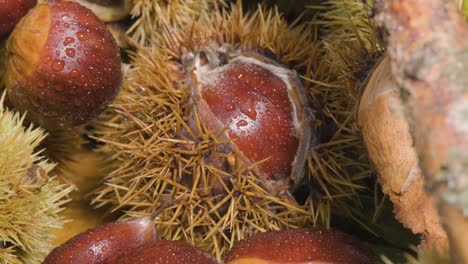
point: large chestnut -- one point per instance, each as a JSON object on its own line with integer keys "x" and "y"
{"x": 11, "y": 11}
{"x": 299, "y": 246}
{"x": 260, "y": 107}
{"x": 63, "y": 65}
{"x": 105, "y": 243}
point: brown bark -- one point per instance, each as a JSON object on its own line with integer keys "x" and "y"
{"x": 428, "y": 44}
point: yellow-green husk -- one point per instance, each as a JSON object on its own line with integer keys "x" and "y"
{"x": 30, "y": 199}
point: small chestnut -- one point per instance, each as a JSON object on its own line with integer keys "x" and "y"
{"x": 105, "y": 243}
{"x": 63, "y": 65}
{"x": 316, "y": 245}
{"x": 260, "y": 107}
{"x": 11, "y": 11}
{"x": 167, "y": 251}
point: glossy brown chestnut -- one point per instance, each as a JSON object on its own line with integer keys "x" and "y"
{"x": 63, "y": 65}
{"x": 11, "y": 11}
{"x": 166, "y": 251}
{"x": 108, "y": 10}
{"x": 261, "y": 108}
{"x": 298, "y": 246}
{"x": 104, "y": 244}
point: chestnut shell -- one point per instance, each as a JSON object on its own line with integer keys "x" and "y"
{"x": 167, "y": 251}
{"x": 260, "y": 108}
{"x": 300, "y": 246}
{"x": 105, "y": 243}
{"x": 63, "y": 65}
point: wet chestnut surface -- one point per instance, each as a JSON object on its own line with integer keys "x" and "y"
{"x": 301, "y": 246}
{"x": 78, "y": 72}
{"x": 104, "y": 244}
{"x": 255, "y": 108}
{"x": 167, "y": 252}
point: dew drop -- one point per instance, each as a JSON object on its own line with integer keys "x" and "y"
{"x": 68, "y": 41}
{"x": 82, "y": 36}
{"x": 74, "y": 73}
{"x": 58, "y": 65}
{"x": 229, "y": 107}
{"x": 70, "y": 52}
{"x": 242, "y": 123}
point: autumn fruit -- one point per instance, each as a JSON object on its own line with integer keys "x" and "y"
{"x": 260, "y": 108}
{"x": 108, "y": 10}
{"x": 105, "y": 243}
{"x": 315, "y": 245}
{"x": 63, "y": 65}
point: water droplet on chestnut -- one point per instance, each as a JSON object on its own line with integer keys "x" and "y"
{"x": 70, "y": 52}
{"x": 43, "y": 48}
{"x": 11, "y": 11}
{"x": 68, "y": 40}
{"x": 105, "y": 243}
{"x": 242, "y": 123}
{"x": 297, "y": 246}
{"x": 58, "y": 65}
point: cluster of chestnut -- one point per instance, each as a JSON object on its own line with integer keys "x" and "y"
{"x": 136, "y": 241}
{"x": 63, "y": 67}
{"x": 62, "y": 64}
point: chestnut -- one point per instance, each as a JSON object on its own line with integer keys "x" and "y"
{"x": 63, "y": 65}
{"x": 108, "y": 10}
{"x": 317, "y": 245}
{"x": 11, "y": 11}
{"x": 167, "y": 251}
{"x": 259, "y": 107}
{"x": 105, "y": 243}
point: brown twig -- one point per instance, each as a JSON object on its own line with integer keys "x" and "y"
{"x": 429, "y": 51}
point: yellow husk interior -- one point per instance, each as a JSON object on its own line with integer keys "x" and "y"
{"x": 29, "y": 199}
